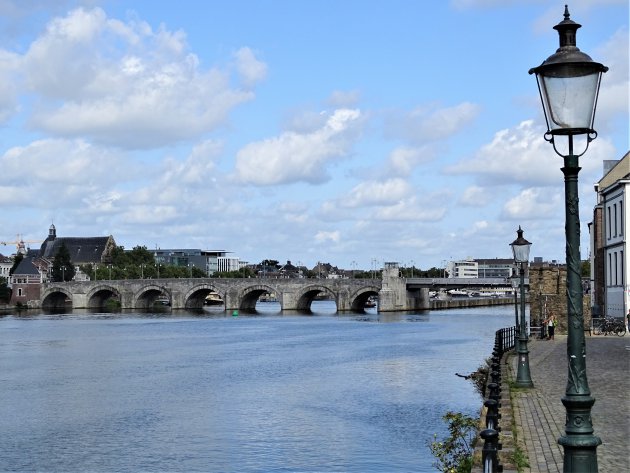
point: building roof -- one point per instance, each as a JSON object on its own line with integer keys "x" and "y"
{"x": 82, "y": 249}
{"x": 25, "y": 267}
{"x": 619, "y": 170}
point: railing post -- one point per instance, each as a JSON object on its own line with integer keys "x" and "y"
{"x": 490, "y": 458}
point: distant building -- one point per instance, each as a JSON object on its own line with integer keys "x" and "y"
{"x": 610, "y": 261}
{"x": 83, "y": 250}
{"x": 209, "y": 261}
{"x": 26, "y": 281}
{"x": 290, "y": 271}
{"x": 496, "y": 268}
{"x": 5, "y": 266}
{"x": 468, "y": 268}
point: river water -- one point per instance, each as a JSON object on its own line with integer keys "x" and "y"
{"x": 272, "y": 392}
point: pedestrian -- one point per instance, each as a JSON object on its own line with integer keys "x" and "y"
{"x": 628, "y": 321}
{"x": 551, "y": 323}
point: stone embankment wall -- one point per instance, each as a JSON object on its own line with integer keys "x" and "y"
{"x": 548, "y": 294}
{"x": 464, "y": 302}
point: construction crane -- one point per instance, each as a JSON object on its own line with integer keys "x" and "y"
{"x": 20, "y": 243}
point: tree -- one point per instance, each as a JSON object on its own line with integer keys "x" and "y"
{"x": 62, "y": 268}
{"x": 5, "y": 291}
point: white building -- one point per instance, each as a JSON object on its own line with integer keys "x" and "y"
{"x": 610, "y": 261}
{"x": 5, "y": 267}
{"x": 468, "y": 268}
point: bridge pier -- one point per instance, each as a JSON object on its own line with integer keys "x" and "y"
{"x": 394, "y": 296}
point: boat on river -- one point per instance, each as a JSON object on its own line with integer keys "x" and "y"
{"x": 213, "y": 299}
{"x": 371, "y": 302}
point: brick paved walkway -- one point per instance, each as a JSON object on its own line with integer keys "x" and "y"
{"x": 539, "y": 414}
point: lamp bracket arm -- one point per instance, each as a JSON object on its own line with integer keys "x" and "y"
{"x": 590, "y": 136}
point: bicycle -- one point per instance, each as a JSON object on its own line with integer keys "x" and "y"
{"x": 611, "y": 326}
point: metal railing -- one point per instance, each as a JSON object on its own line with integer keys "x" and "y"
{"x": 504, "y": 341}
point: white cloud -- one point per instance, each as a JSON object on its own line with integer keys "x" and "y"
{"x": 431, "y": 123}
{"x": 61, "y": 173}
{"x": 251, "y": 69}
{"x": 127, "y": 85}
{"x": 325, "y": 237}
{"x": 373, "y": 193}
{"x": 403, "y": 160}
{"x": 198, "y": 169}
{"x": 293, "y": 157}
{"x": 475, "y": 196}
{"x": 613, "y": 96}
{"x": 534, "y": 203}
{"x": 521, "y": 156}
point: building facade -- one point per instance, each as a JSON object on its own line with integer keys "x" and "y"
{"x": 610, "y": 261}
{"x": 209, "y": 261}
{"x": 468, "y": 268}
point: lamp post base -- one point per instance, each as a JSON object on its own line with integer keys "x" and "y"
{"x": 523, "y": 376}
{"x": 579, "y": 443}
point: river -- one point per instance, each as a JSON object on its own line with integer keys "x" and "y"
{"x": 272, "y": 392}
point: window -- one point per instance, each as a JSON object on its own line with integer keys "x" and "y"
{"x": 609, "y": 224}
{"x": 615, "y": 219}
{"x": 616, "y": 270}
{"x": 609, "y": 269}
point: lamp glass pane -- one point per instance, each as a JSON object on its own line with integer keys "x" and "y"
{"x": 521, "y": 253}
{"x": 570, "y": 101}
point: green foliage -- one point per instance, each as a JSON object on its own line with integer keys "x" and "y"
{"x": 5, "y": 291}
{"x": 62, "y": 267}
{"x": 241, "y": 273}
{"x": 137, "y": 256}
{"x": 519, "y": 458}
{"x": 586, "y": 269}
{"x": 454, "y": 454}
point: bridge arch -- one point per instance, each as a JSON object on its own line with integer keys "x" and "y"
{"x": 147, "y": 297}
{"x": 196, "y": 296}
{"x": 309, "y": 293}
{"x": 98, "y": 297}
{"x": 361, "y": 296}
{"x": 249, "y": 296}
{"x": 56, "y": 298}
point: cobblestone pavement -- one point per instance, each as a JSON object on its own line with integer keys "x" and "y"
{"x": 539, "y": 414}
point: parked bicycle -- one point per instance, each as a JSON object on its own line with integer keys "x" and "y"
{"x": 609, "y": 325}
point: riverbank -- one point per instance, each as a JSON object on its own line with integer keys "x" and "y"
{"x": 465, "y": 302}
{"x": 538, "y": 414}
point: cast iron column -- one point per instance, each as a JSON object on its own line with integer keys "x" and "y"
{"x": 523, "y": 376}
{"x": 579, "y": 443}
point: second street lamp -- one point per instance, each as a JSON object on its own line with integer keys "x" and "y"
{"x": 568, "y": 83}
{"x": 520, "y": 249}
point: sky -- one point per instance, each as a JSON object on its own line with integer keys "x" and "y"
{"x": 351, "y": 132}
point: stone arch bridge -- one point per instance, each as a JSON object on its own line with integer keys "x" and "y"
{"x": 190, "y": 293}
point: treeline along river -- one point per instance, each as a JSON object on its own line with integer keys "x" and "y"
{"x": 271, "y": 392}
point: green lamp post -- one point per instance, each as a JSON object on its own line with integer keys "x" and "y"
{"x": 568, "y": 83}
{"x": 520, "y": 249}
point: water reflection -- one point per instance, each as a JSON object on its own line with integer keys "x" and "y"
{"x": 274, "y": 391}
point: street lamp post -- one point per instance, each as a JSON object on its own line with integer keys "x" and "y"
{"x": 520, "y": 249}
{"x": 568, "y": 83}
{"x": 516, "y": 283}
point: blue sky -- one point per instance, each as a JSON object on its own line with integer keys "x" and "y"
{"x": 349, "y": 132}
